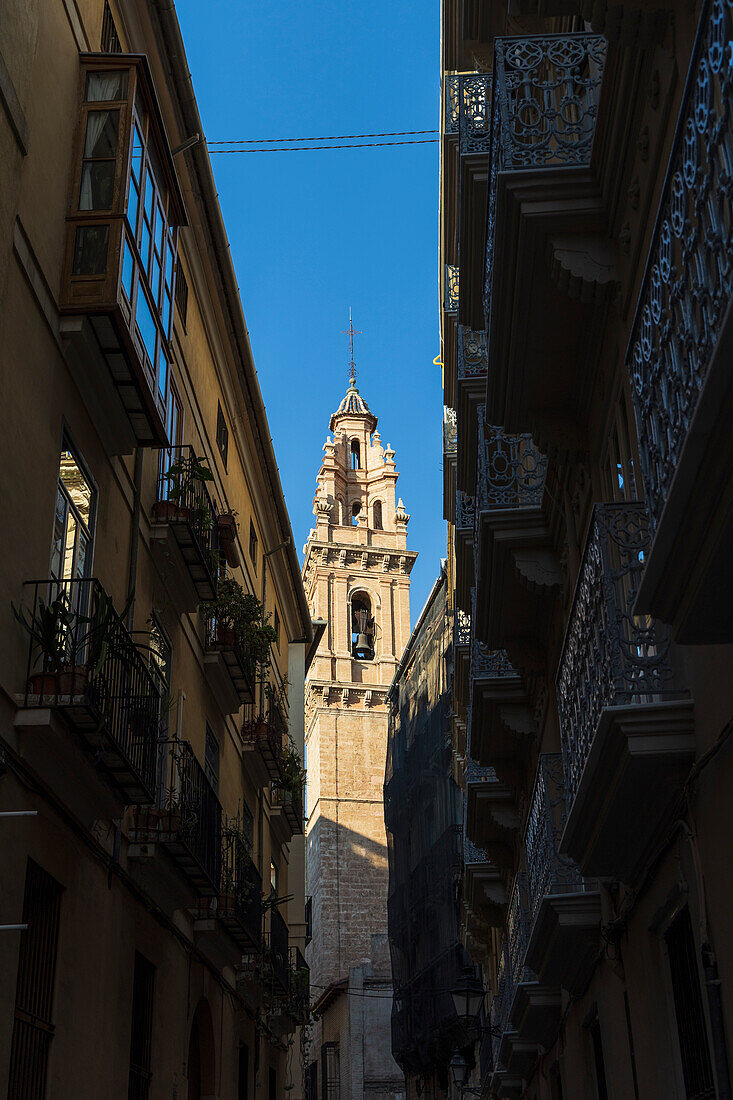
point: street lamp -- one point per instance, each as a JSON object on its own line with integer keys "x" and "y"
{"x": 468, "y": 997}
{"x": 458, "y": 1070}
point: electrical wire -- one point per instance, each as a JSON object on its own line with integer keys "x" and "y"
{"x": 318, "y": 148}
{"x": 323, "y": 137}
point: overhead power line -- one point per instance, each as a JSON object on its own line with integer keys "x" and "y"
{"x": 323, "y": 137}
{"x": 318, "y": 148}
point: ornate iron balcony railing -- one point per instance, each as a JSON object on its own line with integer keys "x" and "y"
{"x": 610, "y": 656}
{"x": 488, "y": 663}
{"x": 689, "y": 275}
{"x": 517, "y": 933}
{"x": 511, "y": 471}
{"x": 450, "y": 301}
{"x": 547, "y": 871}
{"x": 464, "y": 511}
{"x": 501, "y": 1004}
{"x": 468, "y": 110}
{"x": 472, "y": 357}
{"x": 472, "y": 853}
{"x": 450, "y": 431}
{"x": 545, "y": 105}
{"x": 462, "y": 628}
{"x": 183, "y": 501}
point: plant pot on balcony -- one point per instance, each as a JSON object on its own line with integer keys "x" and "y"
{"x": 170, "y": 822}
{"x": 145, "y": 822}
{"x": 225, "y": 636}
{"x": 227, "y": 528}
{"x": 69, "y": 681}
{"x": 168, "y": 510}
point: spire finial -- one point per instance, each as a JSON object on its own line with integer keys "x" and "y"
{"x": 351, "y": 332}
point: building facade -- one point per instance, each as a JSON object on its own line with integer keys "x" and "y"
{"x": 155, "y": 630}
{"x": 586, "y": 258}
{"x": 357, "y": 579}
{"x": 423, "y": 814}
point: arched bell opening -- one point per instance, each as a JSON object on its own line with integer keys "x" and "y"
{"x": 362, "y": 627}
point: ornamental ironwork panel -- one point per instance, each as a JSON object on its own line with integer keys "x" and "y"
{"x": 545, "y": 105}
{"x": 450, "y": 431}
{"x": 472, "y": 854}
{"x": 610, "y": 657}
{"x": 450, "y": 303}
{"x": 487, "y": 664}
{"x": 472, "y": 359}
{"x": 689, "y": 275}
{"x": 462, "y": 628}
{"x": 468, "y": 110}
{"x": 547, "y": 871}
{"x": 464, "y": 511}
{"x": 511, "y": 470}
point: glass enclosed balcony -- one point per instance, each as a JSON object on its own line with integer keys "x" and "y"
{"x": 118, "y": 282}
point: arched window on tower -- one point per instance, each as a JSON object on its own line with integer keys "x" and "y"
{"x": 355, "y": 456}
{"x": 362, "y": 627}
{"x": 355, "y": 510}
{"x": 377, "y": 515}
{"x": 339, "y": 511}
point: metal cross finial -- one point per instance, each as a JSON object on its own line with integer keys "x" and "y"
{"x": 351, "y": 332}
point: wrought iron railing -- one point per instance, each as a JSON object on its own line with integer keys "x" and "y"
{"x": 277, "y": 942}
{"x": 450, "y": 431}
{"x": 464, "y": 511}
{"x": 190, "y": 819}
{"x": 462, "y": 628}
{"x": 450, "y": 301}
{"x": 546, "y": 94}
{"x": 468, "y": 110}
{"x": 488, "y": 663}
{"x": 299, "y": 992}
{"x": 473, "y": 854}
{"x": 224, "y": 638}
{"x": 472, "y": 357}
{"x": 501, "y": 1004}
{"x": 511, "y": 470}
{"x": 689, "y": 275}
{"x": 610, "y": 655}
{"x": 183, "y": 498}
{"x": 548, "y": 872}
{"x": 82, "y": 659}
{"x": 291, "y": 803}
{"x": 240, "y": 889}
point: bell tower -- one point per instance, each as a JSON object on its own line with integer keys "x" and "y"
{"x": 357, "y": 578}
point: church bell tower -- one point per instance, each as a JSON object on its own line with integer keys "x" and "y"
{"x": 357, "y": 578}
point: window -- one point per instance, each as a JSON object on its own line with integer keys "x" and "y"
{"x": 243, "y": 1072}
{"x": 274, "y": 878}
{"x": 330, "y": 1072}
{"x": 691, "y": 1027}
{"x": 181, "y": 294}
{"x": 377, "y": 515}
{"x": 362, "y": 627}
{"x": 594, "y": 1030}
{"x": 110, "y": 37}
{"x": 308, "y": 921}
{"x": 276, "y": 628}
{"x": 620, "y": 471}
{"x": 71, "y": 550}
{"x": 33, "y": 1022}
{"x": 141, "y": 1038}
{"x": 253, "y": 544}
{"x": 355, "y": 454}
{"x": 355, "y": 511}
{"x": 211, "y": 759}
{"x": 222, "y": 435}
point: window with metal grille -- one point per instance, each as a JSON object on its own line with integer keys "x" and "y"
{"x": 253, "y": 544}
{"x": 691, "y": 1027}
{"x": 243, "y": 1077}
{"x": 33, "y": 1024}
{"x": 330, "y": 1072}
{"x": 141, "y": 1038}
{"x": 110, "y": 38}
{"x": 211, "y": 759}
{"x": 181, "y": 295}
{"x": 222, "y": 435}
{"x": 598, "y": 1061}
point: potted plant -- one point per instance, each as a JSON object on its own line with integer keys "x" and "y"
{"x": 181, "y": 478}
{"x": 237, "y": 619}
{"x": 50, "y": 628}
{"x": 291, "y": 771}
{"x": 145, "y": 822}
{"x": 227, "y": 528}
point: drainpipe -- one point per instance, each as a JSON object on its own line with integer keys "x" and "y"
{"x": 135, "y": 541}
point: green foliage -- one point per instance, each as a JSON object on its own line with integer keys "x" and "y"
{"x": 243, "y": 613}
{"x": 49, "y": 630}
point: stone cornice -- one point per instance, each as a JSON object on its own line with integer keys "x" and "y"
{"x": 355, "y": 559}
{"x": 324, "y": 694}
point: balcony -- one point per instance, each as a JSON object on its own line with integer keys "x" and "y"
{"x": 502, "y": 725}
{"x": 566, "y": 908}
{"x": 299, "y": 992}
{"x": 484, "y": 893}
{"x": 464, "y": 549}
{"x": 286, "y": 813}
{"x": 470, "y": 395}
{"x": 626, "y": 725}
{"x": 262, "y": 746}
{"x": 468, "y": 127}
{"x": 240, "y": 893}
{"x": 503, "y": 1082}
{"x": 276, "y": 950}
{"x": 229, "y": 668}
{"x": 185, "y": 825}
{"x": 545, "y": 200}
{"x": 450, "y": 437}
{"x": 518, "y": 1054}
{"x": 517, "y": 568}
{"x": 85, "y": 677}
{"x": 492, "y": 813}
{"x": 183, "y": 534}
{"x": 118, "y": 279}
{"x": 451, "y": 296}
{"x": 679, "y": 362}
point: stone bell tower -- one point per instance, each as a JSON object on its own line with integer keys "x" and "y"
{"x": 357, "y": 578}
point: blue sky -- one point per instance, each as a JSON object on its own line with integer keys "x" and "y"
{"x": 313, "y": 233}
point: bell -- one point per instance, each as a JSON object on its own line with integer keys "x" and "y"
{"x": 363, "y": 647}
